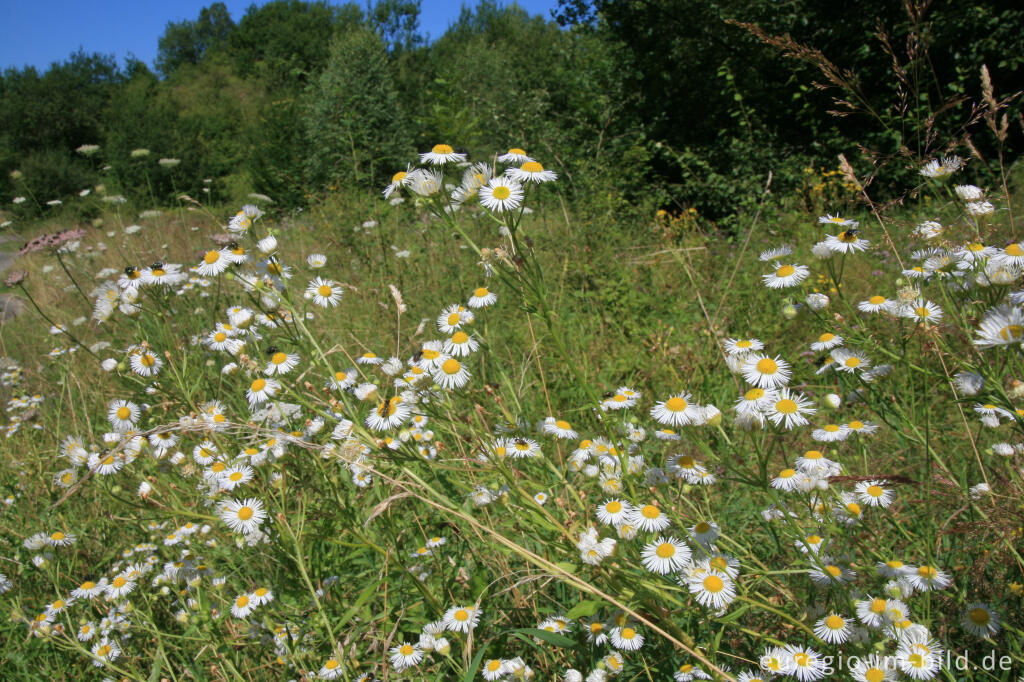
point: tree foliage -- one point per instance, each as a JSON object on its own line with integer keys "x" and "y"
{"x": 187, "y": 42}
{"x": 675, "y": 102}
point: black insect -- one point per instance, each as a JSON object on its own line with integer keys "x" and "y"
{"x": 159, "y": 265}
{"x": 418, "y": 355}
{"x": 272, "y": 350}
{"x": 233, "y": 246}
{"x": 849, "y": 234}
{"x": 382, "y": 409}
{"x": 130, "y": 271}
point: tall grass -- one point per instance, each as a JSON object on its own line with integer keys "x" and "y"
{"x": 480, "y": 439}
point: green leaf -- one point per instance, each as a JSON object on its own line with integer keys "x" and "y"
{"x": 552, "y": 638}
{"x": 158, "y": 664}
{"x": 734, "y": 615}
{"x": 364, "y": 596}
{"x": 566, "y": 566}
{"x": 587, "y": 607}
{"x": 474, "y": 666}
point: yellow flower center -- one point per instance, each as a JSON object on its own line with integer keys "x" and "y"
{"x": 332, "y": 663}
{"x": 877, "y": 605}
{"x": 245, "y": 513}
{"x": 279, "y": 358}
{"x": 1014, "y": 250}
{"x": 813, "y": 454}
{"x": 220, "y": 337}
{"x": 786, "y": 406}
{"x": 324, "y": 290}
{"x": 754, "y": 394}
{"x": 211, "y": 257}
{"x": 833, "y": 571}
{"x": 979, "y": 616}
{"x": 714, "y": 584}
{"x": 852, "y": 362}
{"x": 119, "y": 582}
{"x": 399, "y": 176}
{"x": 665, "y": 550}
{"x": 454, "y": 319}
{"x": 834, "y": 622}
{"x": 451, "y": 366}
{"x": 501, "y": 192}
{"x": 1012, "y": 332}
{"x": 787, "y": 473}
{"x": 461, "y": 615}
{"x": 235, "y": 476}
{"x": 242, "y": 602}
{"x": 494, "y": 665}
{"x": 517, "y": 151}
{"x": 258, "y": 385}
{"x": 874, "y": 675}
{"x": 922, "y": 311}
{"x": 123, "y": 413}
{"x": 876, "y": 300}
{"x": 442, "y": 149}
{"x": 58, "y": 536}
{"x": 613, "y": 507}
{"x": 676, "y": 404}
{"x": 856, "y": 425}
{"x": 650, "y": 511}
{"x": 813, "y": 539}
{"x": 627, "y": 633}
{"x": 927, "y": 572}
{"x": 826, "y": 337}
{"x": 767, "y": 366}
{"x": 875, "y": 490}
{"x": 87, "y": 585}
{"x": 532, "y": 167}
{"x": 831, "y": 428}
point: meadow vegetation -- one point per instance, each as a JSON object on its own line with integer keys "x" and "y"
{"x": 529, "y": 414}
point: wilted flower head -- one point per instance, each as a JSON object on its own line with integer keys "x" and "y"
{"x": 942, "y": 169}
{"x": 51, "y": 241}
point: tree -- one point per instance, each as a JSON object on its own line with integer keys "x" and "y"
{"x": 187, "y": 42}
{"x": 397, "y": 22}
{"x": 288, "y": 41}
{"x": 354, "y": 122}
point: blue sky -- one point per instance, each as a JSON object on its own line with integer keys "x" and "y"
{"x": 38, "y": 32}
